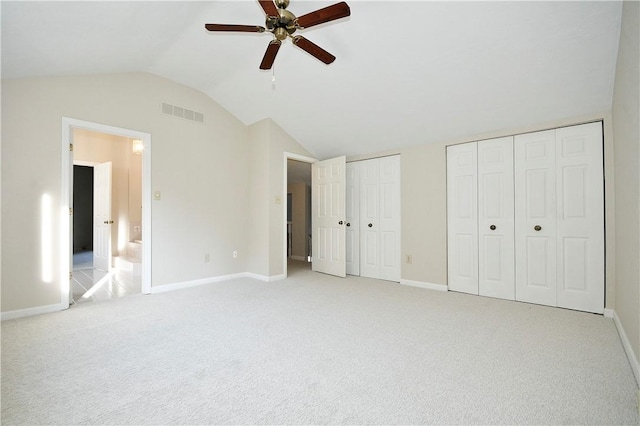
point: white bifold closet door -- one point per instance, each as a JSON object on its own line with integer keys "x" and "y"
{"x": 560, "y": 218}
{"x": 480, "y": 206}
{"x": 526, "y": 218}
{"x": 495, "y": 218}
{"x": 373, "y": 218}
{"x": 462, "y": 208}
{"x": 535, "y": 210}
{"x": 353, "y": 218}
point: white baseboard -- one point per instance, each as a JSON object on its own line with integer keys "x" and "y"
{"x": 608, "y": 313}
{"x": 38, "y": 310}
{"x": 193, "y": 283}
{"x": 633, "y": 359}
{"x": 301, "y": 258}
{"x": 265, "y": 278}
{"x": 421, "y": 284}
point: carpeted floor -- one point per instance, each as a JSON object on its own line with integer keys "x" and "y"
{"x": 314, "y": 349}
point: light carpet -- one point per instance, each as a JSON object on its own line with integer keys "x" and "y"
{"x": 314, "y": 349}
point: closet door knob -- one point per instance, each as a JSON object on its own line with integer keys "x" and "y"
{"x": 537, "y": 228}
{"x": 492, "y": 227}
{"x": 340, "y": 223}
{"x": 370, "y": 225}
{"x": 348, "y": 224}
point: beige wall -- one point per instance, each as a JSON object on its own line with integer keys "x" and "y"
{"x": 259, "y": 198}
{"x": 626, "y": 132}
{"x": 200, "y": 169}
{"x": 268, "y": 198}
{"x": 299, "y": 219}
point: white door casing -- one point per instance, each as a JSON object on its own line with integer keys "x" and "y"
{"x": 328, "y": 215}
{"x": 462, "y": 207}
{"x": 580, "y": 218}
{"x": 352, "y": 211}
{"x": 535, "y": 217}
{"x": 496, "y": 219}
{"x": 102, "y": 216}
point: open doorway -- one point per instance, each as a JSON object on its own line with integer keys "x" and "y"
{"x": 298, "y": 244}
{"x": 107, "y": 219}
{"x": 121, "y": 226}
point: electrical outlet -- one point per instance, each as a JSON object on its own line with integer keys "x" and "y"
{"x": 409, "y": 259}
{"x": 206, "y": 257}
{"x": 235, "y": 254}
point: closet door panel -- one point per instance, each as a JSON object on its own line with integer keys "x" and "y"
{"x": 389, "y": 219}
{"x": 535, "y": 217}
{"x": 462, "y": 213}
{"x": 369, "y": 214}
{"x": 353, "y": 219}
{"x": 580, "y": 229}
{"x": 496, "y": 259}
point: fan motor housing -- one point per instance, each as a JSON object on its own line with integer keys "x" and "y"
{"x": 284, "y": 25}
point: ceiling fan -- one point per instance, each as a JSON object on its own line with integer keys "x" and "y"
{"x": 282, "y": 24}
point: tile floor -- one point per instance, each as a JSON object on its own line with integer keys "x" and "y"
{"x": 90, "y": 285}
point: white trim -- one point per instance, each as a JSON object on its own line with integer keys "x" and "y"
{"x": 626, "y": 344}
{"x": 264, "y": 278}
{"x": 194, "y": 283}
{"x": 608, "y": 313}
{"x": 84, "y": 163}
{"x": 421, "y": 284}
{"x": 67, "y": 125}
{"x": 301, "y": 258}
{"x": 38, "y": 310}
{"x": 304, "y": 159}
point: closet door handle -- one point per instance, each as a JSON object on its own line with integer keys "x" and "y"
{"x": 537, "y": 228}
{"x": 108, "y": 222}
{"x": 348, "y": 224}
{"x": 340, "y": 223}
{"x": 370, "y": 225}
{"x": 492, "y": 227}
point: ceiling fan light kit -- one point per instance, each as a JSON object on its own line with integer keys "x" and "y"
{"x": 282, "y": 24}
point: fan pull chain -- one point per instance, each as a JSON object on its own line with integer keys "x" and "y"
{"x": 273, "y": 78}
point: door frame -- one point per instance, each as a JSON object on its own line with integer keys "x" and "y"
{"x": 68, "y": 124}
{"x": 304, "y": 159}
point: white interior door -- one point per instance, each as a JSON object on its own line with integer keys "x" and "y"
{"x": 580, "y": 218}
{"x": 369, "y": 218}
{"x": 462, "y": 217}
{"x": 328, "y": 216}
{"x": 352, "y": 210}
{"x": 535, "y": 217}
{"x": 389, "y": 218}
{"x": 102, "y": 216}
{"x": 495, "y": 218}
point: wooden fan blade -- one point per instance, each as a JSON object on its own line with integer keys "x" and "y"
{"x": 269, "y": 8}
{"x": 313, "y": 49}
{"x": 270, "y": 55}
{"x": 320, "y": 16}
{"x": 232, "y": 27}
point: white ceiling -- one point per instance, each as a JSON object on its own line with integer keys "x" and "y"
{"x": 406, "y": 73}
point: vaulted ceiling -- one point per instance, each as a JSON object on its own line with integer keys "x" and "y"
{"x": 406, "y": 73}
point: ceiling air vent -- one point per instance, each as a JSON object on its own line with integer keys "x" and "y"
{"x": 181, "y": 112}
